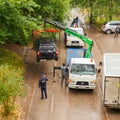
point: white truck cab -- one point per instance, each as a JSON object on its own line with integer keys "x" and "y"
{"x": 82, "y": 73}
{"x": 74, "y": 41}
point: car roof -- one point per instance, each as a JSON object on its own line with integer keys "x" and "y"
{"x": 46, "y": 40}
{"x": 114, "y": 21}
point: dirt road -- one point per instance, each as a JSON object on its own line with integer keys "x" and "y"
{"x": 62, "y": 103}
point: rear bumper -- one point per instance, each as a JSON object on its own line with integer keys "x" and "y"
{"x": 48, "y": 57}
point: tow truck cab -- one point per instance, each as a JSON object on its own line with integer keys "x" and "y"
{"x": 82, "y": 73}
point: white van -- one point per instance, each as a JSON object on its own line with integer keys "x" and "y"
{"x": 71, "y": 40}
{"x": 111, "y": 80}
{"x": 82, "y": 73}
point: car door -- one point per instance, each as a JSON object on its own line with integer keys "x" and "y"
{"x": 113, "y": 26}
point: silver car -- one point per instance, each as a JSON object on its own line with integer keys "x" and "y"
{"x": 110, "y": 26}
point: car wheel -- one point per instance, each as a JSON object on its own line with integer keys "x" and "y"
{"x": 108, "y": 31}
{"x": 56, "y": 59}
{"x": 37, "y": 59}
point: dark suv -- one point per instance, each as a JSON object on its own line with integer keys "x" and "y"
{"x": 46, "y": 49}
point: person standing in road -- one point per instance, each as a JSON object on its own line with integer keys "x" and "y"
{"x": 42, "y": 84}
{"x": 117, "y": 31}
{"x": 63, "y": 73}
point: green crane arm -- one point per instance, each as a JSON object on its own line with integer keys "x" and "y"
{"x": 72, "y": 32}
{"x": 83, "y": 38}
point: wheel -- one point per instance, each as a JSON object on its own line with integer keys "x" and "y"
{"x": 37, "y": 59}
{"x": 108, "y": 31}
{"x": 56, "y": 58}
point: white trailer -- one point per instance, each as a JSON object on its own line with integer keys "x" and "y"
{"x": 111, "y": 80}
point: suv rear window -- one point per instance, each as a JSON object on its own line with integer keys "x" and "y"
{"x": 47, "y": 47}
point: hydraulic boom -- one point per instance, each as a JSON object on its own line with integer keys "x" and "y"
{"x": 88, "y": 41}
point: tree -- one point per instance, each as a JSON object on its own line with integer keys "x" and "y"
{"x": 109, "y": 9}
{"x": 103, "y": 9}
{"x": 89, "y": 5}
{"x": 16, "y": 21}
{"x": 54, "y": 9}
{"x": 18, "y": 18}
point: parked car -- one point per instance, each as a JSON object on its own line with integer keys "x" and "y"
{"x": 109, "y": 27}
{"x": 46, "y": 49}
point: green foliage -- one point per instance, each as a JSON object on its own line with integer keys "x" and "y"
{"x": 54, "y": 9}
{"x": 18, "y": 18}
{"x": 16, "y": 21}
{"x": 11, "y": 80}
{"x": 99, "y": 9}
{"x": 49, "y": 35}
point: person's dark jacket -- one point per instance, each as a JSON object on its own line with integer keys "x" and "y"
{"x": 117, "y": 29}
{"x": 42, "y": 82}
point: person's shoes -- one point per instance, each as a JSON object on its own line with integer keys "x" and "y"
{"x": 45, "y": 97}
{"x": 42, "y": 98}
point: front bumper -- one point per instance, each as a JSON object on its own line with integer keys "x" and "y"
{"x": 81, "y": 87}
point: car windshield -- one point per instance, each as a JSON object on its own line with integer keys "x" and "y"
{"x": 83, "y": 69}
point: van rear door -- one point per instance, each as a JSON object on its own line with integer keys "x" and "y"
{"x": 111, "y": 91}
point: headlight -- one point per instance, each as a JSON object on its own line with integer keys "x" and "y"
{"x": 70, "y": 81}
{"x": 68, "y": 41}
{"x": 93, "y": 82}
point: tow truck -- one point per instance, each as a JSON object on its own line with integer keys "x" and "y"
{"x": 79, "y": 62}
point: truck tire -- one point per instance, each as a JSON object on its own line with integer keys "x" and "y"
{"x": 56, "y": 59}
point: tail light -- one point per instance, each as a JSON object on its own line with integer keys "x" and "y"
{"x": 103, "y": 26}
{"x": 56, "y": 52}
{"x": 38, "y": 53}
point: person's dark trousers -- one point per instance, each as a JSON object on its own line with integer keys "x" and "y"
{"x": 63, "y": 79}
{"x": 43, "y": 92}
{"x": 116, "y": 35}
